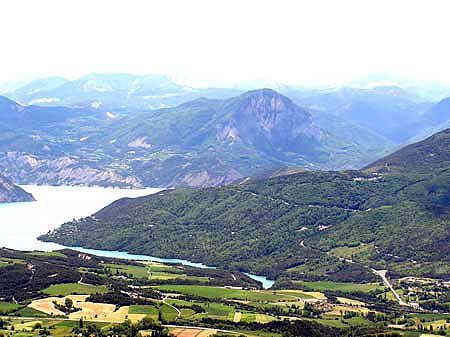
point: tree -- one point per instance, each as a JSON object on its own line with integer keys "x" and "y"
{"x": 68, "y": 303}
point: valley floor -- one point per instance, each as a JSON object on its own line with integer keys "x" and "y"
{"x": 108, "y": 294}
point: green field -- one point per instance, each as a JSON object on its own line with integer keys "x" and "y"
{"x": 64, "y": 289}
{"x": 263, "y": 318}
{"x": 164, "y": 268}
{"x": 30, "y": 312}
{"x": 136, "y": 271}
{"x": 6, "y": 308}
{"x": 168, "y": 313}
{"x": 248, "y": 317}
{"x": 350, "y": 252}
{"x": 429, "y": 316}
{"x": 154, "y": 272}
{"x": 298, "y": 294}
{"x": 343, "y": 323}
{"x": 57, "y": 328}
{"x": 340, "y": 286}
{"x": 160, "y": 275}
{"x": 149, "y": 310}
{"x": 212, "y": 309}
{"x": 217, "y": 292}
{"x": 219, "y": 311}
{"x": 187, "y": 313}
{"x": 39, "y": 253}
{"x": 5, "y": 261}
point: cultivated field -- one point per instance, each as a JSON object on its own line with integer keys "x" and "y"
{"x": 340, "y": 286}
{"x": 6, "y": 307}
{"x": 89, "y": 311}
{"x": 65, "y": 289}
{"x": 180, "y": 332}
{"x": 230, "y": 293}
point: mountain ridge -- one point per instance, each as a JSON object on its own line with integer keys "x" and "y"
{"x": 199, "y": 143}
{"x": 290, "y": 226}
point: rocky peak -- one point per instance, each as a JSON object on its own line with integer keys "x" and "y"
{"x": 267, "y": 116}
{"x": 266, "y": 105}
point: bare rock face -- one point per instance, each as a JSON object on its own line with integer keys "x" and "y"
{"x": 62, "y": 171}
{"x": 270, "y": 122}
{"x": 205, "y": 178}
{"x": 140, "y": 142}
{"x": 12, "y": 193}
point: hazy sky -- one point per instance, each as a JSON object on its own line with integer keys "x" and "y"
{"x": 226, "y": 41}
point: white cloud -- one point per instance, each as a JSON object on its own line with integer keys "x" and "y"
{"x": 226, "y": 41}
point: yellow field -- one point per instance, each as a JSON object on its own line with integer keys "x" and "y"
{"x": 101, "y": 312}
{"x": 26, "y": 326}
{"x": 91, "y": 311}
{"x": 46, "y": 305}
{"x": 237, "y": 317}
{"x": 263, "y": 318}
{"x": 207, "y": 333}
{"x": 315, "y": 294}
{"x": 349, "y": 301}
{"x": 104, "y": 313}
{"x": 339, "y": 310}
{"x": 181, "y": 332}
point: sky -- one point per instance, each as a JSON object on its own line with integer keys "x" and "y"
{"x": 226, "y": 42}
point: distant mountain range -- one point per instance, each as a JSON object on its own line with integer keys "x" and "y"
{"x": 105, "y": 129}
{"x": 12, "y": 193}
{"x": 394, "y": 215}
{"x": 120, "y": 92}
{"x": 389, "y": 112}
{"x": 199, "y": 143}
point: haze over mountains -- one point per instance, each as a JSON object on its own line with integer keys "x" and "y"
{"x": 113, "y": 91}
{"x": 106, "y": 129}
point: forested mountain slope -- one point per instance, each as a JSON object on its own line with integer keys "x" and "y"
{"x": 425, "y": 156}
{"x": 296, "y": 225}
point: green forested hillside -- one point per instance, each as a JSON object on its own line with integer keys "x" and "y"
{"x": 297, "y": 225}
{"x": 425, "y": 156}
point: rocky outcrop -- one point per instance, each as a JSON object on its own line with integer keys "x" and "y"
{"x": 63, "y": 170}
{"x": 205, "y": 178}
{"x": 269, "y": 122}
{"x": 12, "y": 193}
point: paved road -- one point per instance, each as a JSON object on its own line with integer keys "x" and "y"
{"x": 382, "y": 274}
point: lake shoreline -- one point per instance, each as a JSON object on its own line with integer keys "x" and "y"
{"x": 23, "y": 222}
{"x": 266, "y": 283}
